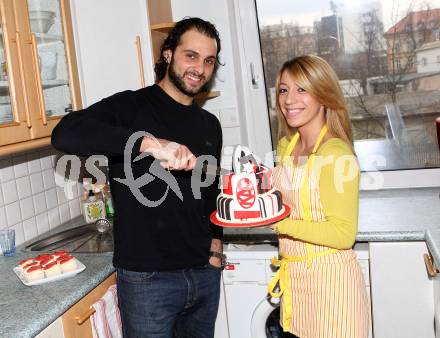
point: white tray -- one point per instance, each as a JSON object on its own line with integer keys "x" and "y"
{"x": 21, "y": 276}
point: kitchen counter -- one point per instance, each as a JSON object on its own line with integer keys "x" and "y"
{"x": 392, "y": 215}
{"x": 26, "y": 311}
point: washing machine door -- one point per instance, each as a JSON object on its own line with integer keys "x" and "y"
{"x": 265, "y": 319}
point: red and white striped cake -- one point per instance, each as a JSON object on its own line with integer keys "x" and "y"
{"x": 247, "y": 193}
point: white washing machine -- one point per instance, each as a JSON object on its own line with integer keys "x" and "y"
{"x": 246, "y": 311}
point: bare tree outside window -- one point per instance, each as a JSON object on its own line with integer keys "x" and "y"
{"x": 386, "y": 55}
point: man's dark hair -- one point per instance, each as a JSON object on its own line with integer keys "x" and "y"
{"x": 173, "y": 40}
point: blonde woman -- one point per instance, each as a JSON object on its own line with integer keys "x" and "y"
{"x": 319, "y": 281}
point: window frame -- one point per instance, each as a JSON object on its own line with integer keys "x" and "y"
{"x": 392, "y": 179}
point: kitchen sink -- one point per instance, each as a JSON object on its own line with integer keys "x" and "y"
{"x": 87, "y": 238}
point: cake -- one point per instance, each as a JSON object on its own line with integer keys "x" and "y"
{"x": 25, "y": 262}
{"x": 247, "y": 194}
{"x": 67, "y": 263}
{"x": 24, "y": 268}
{"x": 58, "y": 254}
{"x": 43, "y": 258}
{"x": 52, "y": 269}
{"x": 34, "y": 273}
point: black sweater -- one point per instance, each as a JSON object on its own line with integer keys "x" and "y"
{"x": 176, "y": 233}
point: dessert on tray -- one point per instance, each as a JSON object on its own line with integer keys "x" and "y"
{"x": 47, "y": 267}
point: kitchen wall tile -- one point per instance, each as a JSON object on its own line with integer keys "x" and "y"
{"x": 40, "y": 203}
{"x": 74, "y": 208}
{"x": 9, "y": 192}
{"x": 20, "y": 166}
{"x": 19, "y": 233}
{"x": 24, "y": 187}
{"x": 48, "y": 179}
{"x": 54, "y": 217}
{"x": 3, "y": 221}
{"x": 13, "y": 214}
{"x": 34, "y": 164}
{"x": 37, "y": 183}
{"x": 27, "y": 208}
{"x": 42, "y": 223}
{"x": 6, "y": 170}
{"x": 51, "y": 198}
{"x": 46, "y": 160}
{"x": 30, "y": 228}
{"x": 64, "y": 212}
{"x": 30, "y": 201}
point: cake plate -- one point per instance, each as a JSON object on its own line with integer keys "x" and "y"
{"x": 250, "y": 224}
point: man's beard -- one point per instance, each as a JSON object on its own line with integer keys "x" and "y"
{"x": 180, "y": 84}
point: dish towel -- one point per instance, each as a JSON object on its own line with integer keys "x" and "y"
{"x": 106, "y": 321}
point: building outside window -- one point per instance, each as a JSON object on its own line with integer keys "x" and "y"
{"x": 376, "y": 48}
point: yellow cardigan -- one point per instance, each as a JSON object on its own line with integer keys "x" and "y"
{"x": 340, "y": 201}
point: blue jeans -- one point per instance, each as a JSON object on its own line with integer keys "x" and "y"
{"x": 165, "y": 304}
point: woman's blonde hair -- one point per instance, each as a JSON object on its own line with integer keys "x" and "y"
{"x": 317, "y": 78}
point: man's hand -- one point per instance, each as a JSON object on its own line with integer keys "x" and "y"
{"x": 216, "y": 246}
{"x": 172, "y": 155}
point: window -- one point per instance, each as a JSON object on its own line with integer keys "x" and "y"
{"x": 392, "y": 106}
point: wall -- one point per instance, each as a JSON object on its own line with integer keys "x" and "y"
{"x": 30, "y": 201}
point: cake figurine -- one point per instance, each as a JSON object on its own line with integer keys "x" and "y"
{"x": 34, "y": 273}
{"x": 51, "y": 269}
{"x": 247, "y": 194}
{"x": 67, "y": 263}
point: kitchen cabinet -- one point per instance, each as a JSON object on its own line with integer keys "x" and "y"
{"x": 80, "y": 311}
{"x": 54, "y": 330}
{"x": 38, "y": 77}
{"x": 161, "y": 22}
{"x": 114, "y": 48}
{"x": 402, "y": 294}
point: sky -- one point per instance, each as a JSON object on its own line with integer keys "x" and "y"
{"x": 305, "y": 12}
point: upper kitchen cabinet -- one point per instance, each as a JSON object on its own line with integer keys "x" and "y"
{"x": 39, "y": 78}
{"x": 114, "y": 48}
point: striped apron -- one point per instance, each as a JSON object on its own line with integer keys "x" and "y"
{"x": 322, "y": 290}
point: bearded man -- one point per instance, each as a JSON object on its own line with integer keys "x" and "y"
{"x": 168, "y": 257}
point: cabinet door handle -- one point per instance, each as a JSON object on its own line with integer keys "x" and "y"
{"x": 432, "y": 271}
{"x": 38, "y": 80}
{"x": 81, "y": 319}
{"x": 140, "y": 61}
{"x": 23, "y": 83}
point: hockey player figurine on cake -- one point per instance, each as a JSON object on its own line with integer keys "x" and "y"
{"x": 248, "y": 197}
